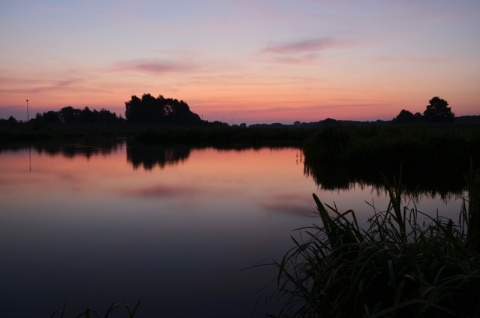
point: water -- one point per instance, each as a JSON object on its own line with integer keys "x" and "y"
{"x": 88, "y": 226}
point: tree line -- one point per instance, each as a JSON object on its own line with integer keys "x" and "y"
{"x": 69, "y": 115}
{"x": 73, "y": 115}
{"x": 144, "y": 110}
{"x": 169, "y": 111}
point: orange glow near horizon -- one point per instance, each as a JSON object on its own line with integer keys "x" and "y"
{"x": 264, "y": 105}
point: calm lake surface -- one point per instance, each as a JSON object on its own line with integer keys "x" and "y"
{"x": 88, "y": 226}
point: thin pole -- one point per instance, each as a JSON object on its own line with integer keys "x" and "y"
{"x": 28, "y": 116}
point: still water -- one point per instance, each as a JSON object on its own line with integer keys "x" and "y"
{"x": 89, "y": 226}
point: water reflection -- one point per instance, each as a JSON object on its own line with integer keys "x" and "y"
{"x": 430, "y": 183}
{"x": 69, "y": 150}
{"x": 149, "y": 157}
{"x": 172, "y": 226}
{"x": 89, "y": 229}
{"x": 417, "y": 183}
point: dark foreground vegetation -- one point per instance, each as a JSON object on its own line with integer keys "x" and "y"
{"x": 405, "y": 264}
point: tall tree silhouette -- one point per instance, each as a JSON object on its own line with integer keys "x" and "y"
{"x": 160, "y": 110}
{"x": 438, "y": 111}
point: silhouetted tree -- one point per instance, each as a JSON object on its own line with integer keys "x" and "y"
{"x": 330, "y": 122}
{"x": 69, "y": 114}
{"x": 87, "y": 116}
{"x": 160, "y": 110}
{"x": 8, "y": 122}
{"x": 51, "y": 117}
{"x": 11, "y": 120}
{"x": 404, "y": 117}
{"x": 438, "y": 111}
{"x": 105, "y": 116}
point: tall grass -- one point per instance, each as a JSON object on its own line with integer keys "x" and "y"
{"x": 404, "y": 264}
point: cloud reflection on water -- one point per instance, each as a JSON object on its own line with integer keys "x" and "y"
{"x": 294, "y": 203}
{"x": 161, "y": 191}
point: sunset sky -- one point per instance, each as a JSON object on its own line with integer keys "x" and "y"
{"x": 253, "y": 61}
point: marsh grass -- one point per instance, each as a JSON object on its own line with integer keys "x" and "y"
{"x": 90, "y": 313}
{"x": 404, "y": 264}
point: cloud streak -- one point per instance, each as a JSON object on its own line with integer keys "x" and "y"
{"x": 156, "y": 67}
{"x": 305, "y": 51}
{"x": 48, "y": 87}
{"x": 311, "y": 45}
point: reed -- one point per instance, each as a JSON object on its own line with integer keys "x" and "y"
{"x": 404, "y": 264}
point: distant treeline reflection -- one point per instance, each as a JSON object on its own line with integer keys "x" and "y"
{"x": 138, "y": 155}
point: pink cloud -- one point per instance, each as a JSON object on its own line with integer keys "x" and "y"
{"x": 154, "y": 66}
{"x": 305, "y": 51}
{"x": 306, "y": 46}
{"x": 314, "y": 45}
{"x": 40, "y": 86}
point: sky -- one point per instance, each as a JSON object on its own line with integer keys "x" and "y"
{"x": 252, "y": 61}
